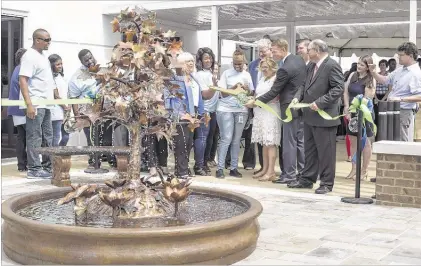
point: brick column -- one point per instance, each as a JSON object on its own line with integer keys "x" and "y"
{"x": 398, "y": 179}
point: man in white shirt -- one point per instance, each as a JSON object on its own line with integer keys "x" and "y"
{"x": 37, "y": 83}
{"x": 81, "y": 84}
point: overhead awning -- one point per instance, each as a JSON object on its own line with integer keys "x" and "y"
{"x": 267, "y": 13}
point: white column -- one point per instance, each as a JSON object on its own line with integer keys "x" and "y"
{"x": 292, "y": 37}
{"x": 413, "y": 21}
{"x": 214, "y": 31}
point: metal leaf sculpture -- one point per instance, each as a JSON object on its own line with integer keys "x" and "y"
{"x": 132, "y": 88}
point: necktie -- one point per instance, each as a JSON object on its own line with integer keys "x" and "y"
{"x": 315, "y": 71}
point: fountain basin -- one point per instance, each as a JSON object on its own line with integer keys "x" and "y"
{"x": 220, "y": 242}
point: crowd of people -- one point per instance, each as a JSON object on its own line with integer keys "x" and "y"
{"x": 306, "y": 145}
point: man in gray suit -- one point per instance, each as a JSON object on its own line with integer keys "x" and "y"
{"x": 289, "y": 78}
{"x": 323, "y": 88}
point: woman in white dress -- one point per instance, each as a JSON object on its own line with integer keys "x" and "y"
{"x": 266, "y": 126}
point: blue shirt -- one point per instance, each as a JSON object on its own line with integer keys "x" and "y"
{"x": 405, "y": 81}
{"x": 180, "y": 100}
{"x": 14, "y": 93}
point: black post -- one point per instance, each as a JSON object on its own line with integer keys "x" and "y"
{"x": 396, "y": 121}
{"x": 382, "y": 121}
{"x": 97, "y": 167}
{"x": 390, "y": 121}
{"x": 357, "y": 199}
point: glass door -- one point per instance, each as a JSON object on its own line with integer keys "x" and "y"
{"x": 11, "y": 41}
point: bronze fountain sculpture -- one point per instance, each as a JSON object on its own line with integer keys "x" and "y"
{"x": 136, "y": 97}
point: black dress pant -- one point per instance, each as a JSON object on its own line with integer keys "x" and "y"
{"x": 212, "y": 139}
{"x": 320, "y": 155}
{"x": 249, "y": 156}
{"x": 156, "y": 151}
{"x": 21, "y": 147}
{"x": 182, "y": 146}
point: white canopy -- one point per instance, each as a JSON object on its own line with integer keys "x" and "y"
{"x": 250, "y": 20}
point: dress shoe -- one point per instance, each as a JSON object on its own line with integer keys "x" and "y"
{"x": 247, "y": 167}
{"x": 323, "y": 190}
{"x": 298, "y": 184}
{"x": 220, "y": 174}
{"x": 235, "y": 173}
{"x": 283, "y": 180}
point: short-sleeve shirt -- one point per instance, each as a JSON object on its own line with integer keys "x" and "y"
{"x": 204, "y": 77}
{"x": 80, "y": 84}
{"x": 62, "y": 86}
{"x": 228, "y": 79}
{"x": 37, "y": 68}
{"x": 405, "y": 81}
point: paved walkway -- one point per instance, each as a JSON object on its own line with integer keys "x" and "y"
{"x": 298, "y": 227}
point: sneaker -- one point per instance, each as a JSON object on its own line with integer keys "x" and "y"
{"x": 235, "y": 173}
{"x": 40, "y": 174}
{"x": 220, "y": 174}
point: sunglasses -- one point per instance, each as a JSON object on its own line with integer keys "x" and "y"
{"x": 45, "y": 40}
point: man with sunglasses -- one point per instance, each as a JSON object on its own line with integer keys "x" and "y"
{"x": 37, "y": 83}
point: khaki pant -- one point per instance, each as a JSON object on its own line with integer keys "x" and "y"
{"x": 407, "y": 120}
{"x": 418, "y": 127}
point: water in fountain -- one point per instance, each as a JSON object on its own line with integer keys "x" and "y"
{"x": 198, "y": 208}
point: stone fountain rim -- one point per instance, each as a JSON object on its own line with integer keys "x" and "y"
{"x": 9, "y": 207}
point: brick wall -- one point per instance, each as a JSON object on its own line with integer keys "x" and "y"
{"x": 398, "y": 180}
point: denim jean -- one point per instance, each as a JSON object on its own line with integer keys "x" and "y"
{"x": 64, "y": 137}
{"x": 56, "y": 131}
{"x": 200, "y": 137}
{"x": 231, "y": 127}
{"x": 38, "y": 129}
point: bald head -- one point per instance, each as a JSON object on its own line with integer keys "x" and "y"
{"x": 41, "y": 40}
{"x": 38, "y": 33}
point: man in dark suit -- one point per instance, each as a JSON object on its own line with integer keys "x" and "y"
{"x": 289, "y": 78}
{"x": 323, "y": 88}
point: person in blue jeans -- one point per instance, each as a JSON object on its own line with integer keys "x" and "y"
{"x": 36, "y": 83}
{"x": 18, "y": 116}
{"x": 60, "y": 136}
{"x": 231, "y": 115}
{"x": 204, "y": 135}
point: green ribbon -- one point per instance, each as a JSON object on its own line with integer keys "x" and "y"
{"x": 322, "y": 113}
{"x": 7, "y": 102}
{"x": 243, "y": 98}
{"x": 363, "y": 105}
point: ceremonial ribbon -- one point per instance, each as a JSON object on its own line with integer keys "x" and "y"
{"x": 243, "y": 99}
{"x": 366, "y": 106}
{"x": 7, "y": 102}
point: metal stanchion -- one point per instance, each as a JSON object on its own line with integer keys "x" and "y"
{"x": 390, "y": 121}
{"x": 357, "y": 199}
{"x": 396, "y": 121}
{"x": 97, "y": 167}
{"x": 382, "y": 121}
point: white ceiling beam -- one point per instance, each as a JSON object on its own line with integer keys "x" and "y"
{"x": 315, "y": 22}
